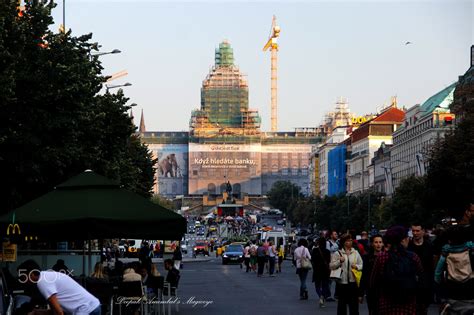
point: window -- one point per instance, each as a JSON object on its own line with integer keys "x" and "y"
{"x": 211, "y": 188}
{"x": 274, "y": 169}
{"x": 236, "y": 189}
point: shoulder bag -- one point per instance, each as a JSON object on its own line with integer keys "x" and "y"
{"x": 305, "y": 262}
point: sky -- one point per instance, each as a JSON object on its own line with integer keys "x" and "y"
{"x": 328, "y": 49}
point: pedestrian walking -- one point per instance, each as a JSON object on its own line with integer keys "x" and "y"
{"x": 321, "y": 258}
{"x": 281, "y": 256}
{"x": 348, "y": 259}
{"x": 271, "y": 253}
{"x": 395, "y": 275}
{"x": 267, "y": 257}
{"x": 302, "y": 258}
{"x": 292, "y": 253}
{"x": 261, "y": 251}
{"x": 375, "y": 248}
{"x": 247, "y": 257}
{"x": 177, "y": 257}
{"x": 458, "y": 284}
{"x": 332, "y": 245}
{"x": 253, "y": 257}
{"x": 422, "y": 246}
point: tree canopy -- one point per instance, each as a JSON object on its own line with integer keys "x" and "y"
{"x": 54, "y": 122}
{"x": 283, "y": 196}
{"x": 450, "y": 177}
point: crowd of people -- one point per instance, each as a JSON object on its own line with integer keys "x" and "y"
{"x": 263, "y": 256}
{"x": 394, "y": 273}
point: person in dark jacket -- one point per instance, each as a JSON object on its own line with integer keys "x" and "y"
{"x": 177, "y": 257}
{"x": 320, "y": 259}
{"x": 421, "y": 245}
{"x": 375, "y": 248}
{"x": 397, "y": 292}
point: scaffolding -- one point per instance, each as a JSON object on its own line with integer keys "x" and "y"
{"x": 224, "y": 100}
{"x": 341, "y": 116}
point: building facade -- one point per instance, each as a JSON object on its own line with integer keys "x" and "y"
{"x": 422, "y": 127}
{"x": 365, "y": 141}
{"x": 381, "y": 170}
{"x": 225, "y": 143}
{"x": 338, "y": 135}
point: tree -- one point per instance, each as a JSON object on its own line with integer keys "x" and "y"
{"x": 283, "y": 196}
{"x": 450, "y": 176}
{"x": 54, "y": 122}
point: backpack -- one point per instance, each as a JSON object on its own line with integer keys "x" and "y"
{"x": 400, "y": 276}
{"x": 458, "y": 267}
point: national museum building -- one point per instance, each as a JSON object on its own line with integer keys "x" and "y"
{"x": 225, "y": 143}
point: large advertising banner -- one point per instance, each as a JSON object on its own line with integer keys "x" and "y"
{"x": 171, "y": 168}
{"x": 212, "y": 165}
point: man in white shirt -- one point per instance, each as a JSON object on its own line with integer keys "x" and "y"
{"x": 61, "y": 291}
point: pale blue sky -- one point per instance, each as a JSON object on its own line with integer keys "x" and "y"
{"x": 328, "y": 49}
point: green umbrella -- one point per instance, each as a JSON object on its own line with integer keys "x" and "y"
{"x": 90, "y": 206}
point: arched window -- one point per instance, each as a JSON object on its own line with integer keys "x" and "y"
{"x": 211, "y": 188}
{"x": 236, "y": 189}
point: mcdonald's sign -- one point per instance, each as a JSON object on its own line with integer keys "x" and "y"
{"x": 13, "y": 228}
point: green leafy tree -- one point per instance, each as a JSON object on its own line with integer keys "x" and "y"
{"x": 450, "y": 176}
{"x": 410, "y": 203}
{"x": 345, "y": 213}
{"x": 54, "y": 122}
{"x": 283, "y": 195}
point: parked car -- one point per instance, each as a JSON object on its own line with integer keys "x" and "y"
{"x": 233, "y": 253}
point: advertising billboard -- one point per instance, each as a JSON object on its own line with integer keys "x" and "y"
{"x": 211, "y": 166}
{"x": 171, "y": 168}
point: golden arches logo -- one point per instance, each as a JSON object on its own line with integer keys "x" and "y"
{"x": 14, "y": 227}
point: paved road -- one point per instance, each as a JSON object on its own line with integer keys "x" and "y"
{"x": 232, "y": 291}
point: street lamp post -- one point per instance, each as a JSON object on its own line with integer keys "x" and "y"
{"x": 115, "y": 51}
{"x": 108, "y": 87}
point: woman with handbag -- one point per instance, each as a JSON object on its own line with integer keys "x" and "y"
{"x": 303, "y": 266}
{"x": 348, "y": 263}
{"x": 320, "y": 258}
